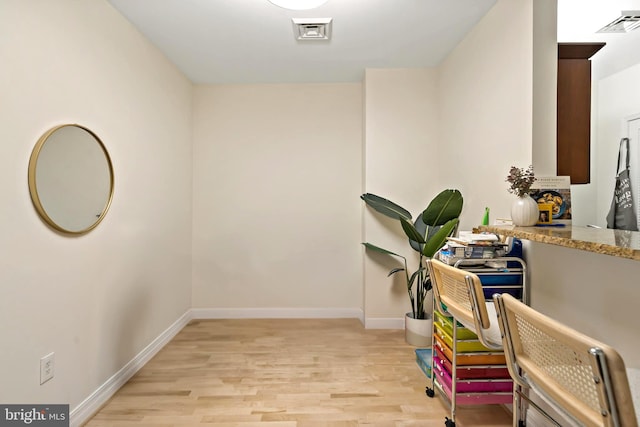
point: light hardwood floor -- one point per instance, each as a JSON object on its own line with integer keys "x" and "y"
{"x": 284, "y": 373}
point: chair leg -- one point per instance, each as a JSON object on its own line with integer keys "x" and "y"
{"x": 522, "y": 410}
{"x": 518, "y": 412}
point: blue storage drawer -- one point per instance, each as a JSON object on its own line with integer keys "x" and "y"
{"x": 501, "y": 283}
{"x": 506, "y": 278}
{"x": 423, "y": 359}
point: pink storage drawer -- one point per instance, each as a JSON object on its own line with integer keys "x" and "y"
{"x": 478, "y": 398}
{"x": 465, "y": 372}
{"x": 471, "y": 386}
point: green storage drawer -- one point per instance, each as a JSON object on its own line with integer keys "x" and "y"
{"x": 446, "y": 324}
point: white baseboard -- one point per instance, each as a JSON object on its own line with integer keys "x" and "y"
{"x": 384, "y": 323}
{"x": 277, "y": 313}
{"x": 81, "y": 413}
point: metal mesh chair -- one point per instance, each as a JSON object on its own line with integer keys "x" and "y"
{"x": 580, "y": 377}
{"x": 460, "y": 291}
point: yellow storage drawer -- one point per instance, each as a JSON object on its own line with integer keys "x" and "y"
{"x": 446, "y": 324}
{"x": 464, "y": 346}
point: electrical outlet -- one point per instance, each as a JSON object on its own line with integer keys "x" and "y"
{"x": 47, "y": 364}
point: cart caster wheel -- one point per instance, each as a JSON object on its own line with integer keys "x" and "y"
{"x": 449, "y": 423}
{"x": 521, "y": 423}
{"x": 430, "y": 392}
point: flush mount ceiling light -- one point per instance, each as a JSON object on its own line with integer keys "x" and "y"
{"x": 628, "y": 21}
{"x": 298, "y": 4}
{"x": 312, "y": 28}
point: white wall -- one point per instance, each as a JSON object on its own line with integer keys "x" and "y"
{"x": 485, "y": 103}
{"x": 593, "y": 293}
{"x": 545, "y": 88}
{"x": 403, "y": 165}
{"x": 99, "y": 299}
{"x": 277, "y": 179}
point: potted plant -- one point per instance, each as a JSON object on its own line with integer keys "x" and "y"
{"x": 426, "y": 235}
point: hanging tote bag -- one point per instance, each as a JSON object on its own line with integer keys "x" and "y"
{"x": 622, "y": 213}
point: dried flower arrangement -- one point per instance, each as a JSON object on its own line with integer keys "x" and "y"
{"x": 520, "y": 180}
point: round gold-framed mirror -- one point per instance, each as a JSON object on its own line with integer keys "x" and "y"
{"x": 71, "y": 179}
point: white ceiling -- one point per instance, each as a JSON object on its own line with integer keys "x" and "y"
{"x": 579, "y": 21}
{"x": 251, "y": 41}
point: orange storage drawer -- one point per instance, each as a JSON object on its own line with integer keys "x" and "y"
{"x": 479, "y": 358}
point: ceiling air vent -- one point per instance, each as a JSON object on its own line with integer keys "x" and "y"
{"x": 312, "y": 28}
{"x": 629, "y": 20}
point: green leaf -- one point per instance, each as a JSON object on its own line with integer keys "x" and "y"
{"x": 432, "y": 231}
{"x": 395, "y": 270}
{"x": 427, "y": 284}
{"x": 411, "y": 231}
{"x": 439, "y": 238}
{"x": 421, "y": 228}
{"x": 412, "y": 279}
{"x": 444, "y": 207}
{"x": 381, "y": 250}
{"x": 386, "y": 207}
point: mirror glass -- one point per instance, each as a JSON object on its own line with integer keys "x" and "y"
{"x": 615, "y": 98}
{"x": 71, "y": 179}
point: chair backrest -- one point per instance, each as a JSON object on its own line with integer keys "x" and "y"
{"x": 461, "y": 293}
{"x": 583, "y": 377}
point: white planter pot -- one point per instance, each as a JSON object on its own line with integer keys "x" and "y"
{"x": 418, "y": 332}
{"x": 524, "y": 211}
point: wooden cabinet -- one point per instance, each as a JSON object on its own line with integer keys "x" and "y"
{"x": 574, "y": 110}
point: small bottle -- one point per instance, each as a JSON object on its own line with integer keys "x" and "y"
{"x": 485, "y": 218}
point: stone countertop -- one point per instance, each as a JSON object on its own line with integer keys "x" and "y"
{"x": 619, "y": 243}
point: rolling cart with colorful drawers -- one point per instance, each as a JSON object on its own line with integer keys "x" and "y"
{"x": 463, "y": 370}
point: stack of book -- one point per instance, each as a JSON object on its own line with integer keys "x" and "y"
{"x": 472, "y": 245}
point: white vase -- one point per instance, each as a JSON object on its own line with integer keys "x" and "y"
{"x": 418, "y": 332}
{"x": 524, "y": 211}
